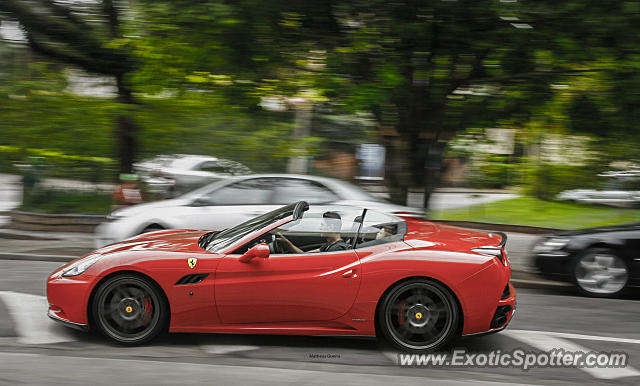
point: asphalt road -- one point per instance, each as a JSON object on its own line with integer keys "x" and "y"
{"x": 34, "y": 350}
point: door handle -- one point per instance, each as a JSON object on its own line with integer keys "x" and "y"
{"x": 350, "y": 273}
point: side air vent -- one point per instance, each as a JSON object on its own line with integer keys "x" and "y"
{"x": 193, "y": 278}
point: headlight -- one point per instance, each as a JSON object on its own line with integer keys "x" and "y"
{"x": 551, "y": 244}
{"x": 115, "y": 215}
{"x": 79, "y": 267}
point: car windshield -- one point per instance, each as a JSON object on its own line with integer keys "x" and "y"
{"x": 230, "y": 235}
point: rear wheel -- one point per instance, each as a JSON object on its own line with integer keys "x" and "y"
{"x": 599, "y": 272}
{"x": 418, "y": 315}
{"x": 129, "y": 309}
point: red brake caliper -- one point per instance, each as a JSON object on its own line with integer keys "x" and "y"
{"x": 148, "y": 309}
{"x": 401, "y": 313}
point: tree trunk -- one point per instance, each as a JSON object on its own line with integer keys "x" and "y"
{"x": 432, "y": 171}
{"x": 396, "y": 170}
{"x": 126, "y": 130}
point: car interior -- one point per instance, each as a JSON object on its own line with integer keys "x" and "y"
{"x": 311, "y": 239}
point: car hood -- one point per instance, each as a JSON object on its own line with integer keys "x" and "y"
{"x": 174, "y": 240}
{"x": 448, "y": 237}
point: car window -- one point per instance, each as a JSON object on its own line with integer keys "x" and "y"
{"x": 214, "y": 167}
{"x": 290, "y": 190}
{"x": 380, "y": 228}
{"x": 248, "y": 192}
{"x": 331, "y": 229}
{"x": 223, "y": 239}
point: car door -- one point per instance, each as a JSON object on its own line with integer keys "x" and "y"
{"x": 288, "y": 190}
{"x": 287, "y": 287}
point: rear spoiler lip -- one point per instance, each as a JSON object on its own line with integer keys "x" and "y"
{"x": 497, "y": 251}
{"x": 504, "y": 239}
{"x": 500, "y": 246}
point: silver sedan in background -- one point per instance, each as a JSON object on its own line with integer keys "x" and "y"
{"x": 170, "y": 175}
{"x": 234, "y": 200}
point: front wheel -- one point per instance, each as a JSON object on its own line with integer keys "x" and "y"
{"x": 418, "y": 315}
{"x": 129, "y": 309}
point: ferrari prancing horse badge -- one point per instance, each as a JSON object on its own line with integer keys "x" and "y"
{"x": 192, "y": 261}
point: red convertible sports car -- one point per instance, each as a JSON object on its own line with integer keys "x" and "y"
{"x": 319, "y": 270}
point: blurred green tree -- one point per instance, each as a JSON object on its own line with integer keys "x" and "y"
{"x": 423, "y": 70}
{"x": 85, "y": 35}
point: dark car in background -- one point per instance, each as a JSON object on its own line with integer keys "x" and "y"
{"x": 601, "y": 262}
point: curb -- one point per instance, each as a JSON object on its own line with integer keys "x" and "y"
{"x": 499, "y": 227}
{"x": 23, "y": 235}
{"x": 32, "y": 257}
{"x": 54, "y": 222}
{"x": 539, "y": 284}
{"x": 16, "y": 234}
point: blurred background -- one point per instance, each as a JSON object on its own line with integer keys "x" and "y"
{"x": 532, "y": 98}
{"x": 511, "y": 115}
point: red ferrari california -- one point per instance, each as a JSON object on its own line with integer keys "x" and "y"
{"x": 319, "y": 270}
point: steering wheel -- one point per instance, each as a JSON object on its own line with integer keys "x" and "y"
{"x": 277, "y": 246}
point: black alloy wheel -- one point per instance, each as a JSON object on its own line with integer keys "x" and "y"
{"x": 129, "y": 309}
{"x": 599, "y": 272}
{"x": 418, "y": 315}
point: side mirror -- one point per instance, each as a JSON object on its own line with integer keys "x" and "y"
{"x": 200, "y": 202}
{"x": 259, "y": 250}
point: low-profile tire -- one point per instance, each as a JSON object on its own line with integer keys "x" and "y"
{"x": 600, "y": 272}
{"x": 129, "y": 309}
{"x": 418, "y": 315}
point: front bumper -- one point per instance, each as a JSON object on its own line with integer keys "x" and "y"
{"x": 68, "y": 298}
{"x": 52, "y": 314}
{"x": 553, "y": 265}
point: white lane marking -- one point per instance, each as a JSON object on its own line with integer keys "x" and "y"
{"x": 547, "y": 342}
{"x": 578, "y": 336}
{"x": 29, "y": 313}
{"x": 392, "y": 356}
{"x": 220, "y": 349}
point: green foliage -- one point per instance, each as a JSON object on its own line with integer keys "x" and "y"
{"x": 75, "y": 134}
{"x": 66, "y": 201}
{"x": 535, "y": 212}
{"x": 57, "y": 164}
{"x": 545, "y": 180}
{"x": 198, "y": 70}
{"x": 496, "y": 171}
